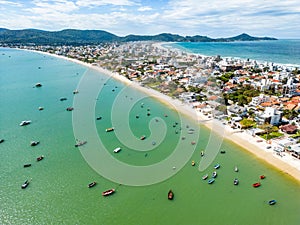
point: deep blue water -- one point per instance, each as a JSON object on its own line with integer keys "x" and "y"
{"x": 279, "y": 51}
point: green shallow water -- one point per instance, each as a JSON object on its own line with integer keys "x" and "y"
{"x": 58, "y": 193}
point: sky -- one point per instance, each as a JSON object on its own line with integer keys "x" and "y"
{"x": 213, "y": 18}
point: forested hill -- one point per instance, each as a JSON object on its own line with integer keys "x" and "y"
{"x": 82, "y": 37}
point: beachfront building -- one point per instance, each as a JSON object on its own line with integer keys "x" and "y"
{"x": 271, "y": 115}
{"x": 294, "y": 150}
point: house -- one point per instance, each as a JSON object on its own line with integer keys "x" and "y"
{"x": 289, "y": 129}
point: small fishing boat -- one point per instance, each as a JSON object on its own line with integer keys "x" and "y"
{"x": 193, "y": 142}
{"x": 99, "y": 118}
{"x": 109, "y": 129}
{"x": 236, "y": 169}
{"x": 202, "y": 153}
{"x": 63, "y": 99}
{"x": 143, "y": 137}
{"x": 34, "y": 143}
{"x": 262, "y": 177}
{"x": 108, "y": 192}
{"x": 214, "y": 174}
{"x": 137, "y": 116}
{"x": 1, "y": 140}
{"x": 92, "y": 184}
{"x": 256, "y": 184}
{"x": 211, "y": 180}
{"x": 40, "y": 158}
{"x": 117, "y": 150}
{"x": 25, "y": 122}
{"x": 41, "y": 108}
{"x": 25, "y": 184}
{"x": 80, "y": 143}
{"x": 193, "y": 163}
{"x": 217, "y": 166}
{"x": 27, "y": 165}
{"x": 204, "y": 177}
{"x": 75, "y": 92}
{"x": 38, "y": 85}
{"x": 272, "y": 202}
{"x": 235, "y": 181}
{"x": 70, "y": 109}
{"x": 223, "y": 151}
{"x": 170, "y": 195}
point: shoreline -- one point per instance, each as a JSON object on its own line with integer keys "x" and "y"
{"x": 245, "y": 141}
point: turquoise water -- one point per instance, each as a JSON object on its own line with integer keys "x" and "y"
{"x": 58, "y": 192}
{"x": 280, "y": 51}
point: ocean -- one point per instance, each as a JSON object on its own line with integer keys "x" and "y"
{"x": 280, "y": 51}
{"x": 58, "y": 193}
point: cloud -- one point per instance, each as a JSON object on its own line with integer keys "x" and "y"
{"x": 144, "y": 8}
{"x": 2, "y": 2}
{"x": 93, "y": 3}
{"x": 213, "y": 18}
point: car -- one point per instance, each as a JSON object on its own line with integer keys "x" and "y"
{"x": 269, "y": 146}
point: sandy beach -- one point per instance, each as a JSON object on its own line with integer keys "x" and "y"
{"x": 286, "y": 164}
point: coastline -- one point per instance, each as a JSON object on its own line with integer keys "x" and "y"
{"x": 246, "y": 141}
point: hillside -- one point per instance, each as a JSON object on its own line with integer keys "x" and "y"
{"x": 80, "y": 37}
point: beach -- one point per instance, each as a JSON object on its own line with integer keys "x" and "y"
{"x": 58, "y": 191}
{"x": 285, "y": 164}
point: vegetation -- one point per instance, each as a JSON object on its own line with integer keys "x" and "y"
{"x": 247, "y": 123}
{"x": 242, "y": 96}
{"x": 82, "y": 37}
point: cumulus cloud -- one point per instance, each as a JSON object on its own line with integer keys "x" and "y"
{"x": 87, "y": 3}
{"x": 144, "y": 8}
{"x": 214, "y": 18}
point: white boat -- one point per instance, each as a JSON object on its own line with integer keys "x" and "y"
{"x": 236, "y": 169}
{"x": 117, "y": 150}
{"x": 25, "y": 122}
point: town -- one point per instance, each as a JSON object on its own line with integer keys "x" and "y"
{"x": 260, "y": 98}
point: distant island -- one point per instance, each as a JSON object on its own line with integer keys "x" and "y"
{"x": 84, "y": 37}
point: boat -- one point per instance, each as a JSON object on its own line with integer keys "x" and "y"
{"x": 223, "y": 151}
{"x": 202, "y": 153}
{"x": 143, "y": 137}
{"x": 235, "y": 181}
{"x": 80, "y": 143}
{"x": 236, "y": 169}
{"x": 117, "y": 150}
{"x": 27, "y": 165}
{"x": 40, "y": 158}
{"x": 38, "y": 85}
{"x": 41, "y": 108}
{"x": 99, "y": 118}
{"x": 25, "y": 184}
{"x": 1, "y": 140}
{"x": 92, "y": 184}
{"x": 70, "y": 109}
{"x": 204, "y": 177}
{"x": 211, "y": 180}
{"x": 272, "y": 202}
{"x": 256, "y": 184}
{"x": 25, "y": 122}
{"x": 153, "y": 143}
{"x": 170, "y": 195}
{"x": 193, "y": 163}
{"x": 262, "y": 177}
{"x": 75, "y": 92}
{"x": 137, "y": 116}
{"x": 34, "y": 143}
{"x": 217, "y": 166}
{"x": 108, "y": 192}
{"x": 109, "y": 129}
{"x": 63, "y": 99}
{"x": 193, "y": 142}
{"x": 214, "y": 174}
